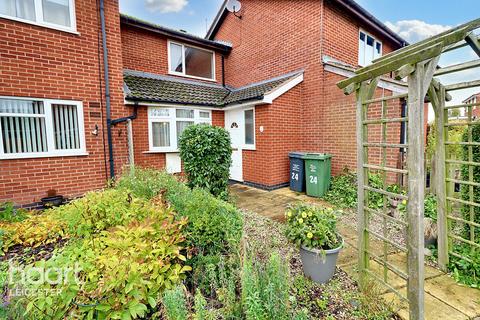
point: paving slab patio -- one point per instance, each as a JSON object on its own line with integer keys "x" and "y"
{"x": 444, "y": 298}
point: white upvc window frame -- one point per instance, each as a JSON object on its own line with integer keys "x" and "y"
{"x": 248, "y": 146}
{"x": 39, "y": 21}
{"x": 49, "y": 129}
{"x": 184, "y": 72}
{"x": 172, "y": 120}
{"x": 375, "y": 42}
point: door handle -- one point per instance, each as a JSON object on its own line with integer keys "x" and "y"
{"x": 234, "y": 149}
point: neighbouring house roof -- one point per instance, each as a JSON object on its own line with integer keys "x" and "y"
{"x": 471, "y": 97}
{"x": 349, "y": 5}
{"x": 148, "y": 87}
{"x": 175, "y": 34}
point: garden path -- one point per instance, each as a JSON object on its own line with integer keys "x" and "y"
{"x": 444, "y": 298}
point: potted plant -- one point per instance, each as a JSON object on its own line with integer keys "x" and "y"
{"x": 314, "y": 230}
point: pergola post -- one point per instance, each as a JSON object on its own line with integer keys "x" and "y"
{"x": 418, "y": 83}
{"x": 437, "y": 98}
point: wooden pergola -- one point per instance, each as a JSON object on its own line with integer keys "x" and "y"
{"x": 419, "y": 64}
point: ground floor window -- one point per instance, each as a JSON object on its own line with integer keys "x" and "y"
{"x": 32, "y": 128}
{"x": 249, "y": 116}
{"x": 166, "y": 125}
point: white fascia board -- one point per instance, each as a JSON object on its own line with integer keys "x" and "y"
{"x": 383, "y": 83}
{"x": 271, "y": 96}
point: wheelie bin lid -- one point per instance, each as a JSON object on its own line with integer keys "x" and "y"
{"x": 298, "y": 155}
{"x": 317, "y": 156}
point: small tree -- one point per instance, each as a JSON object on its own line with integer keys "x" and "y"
{"x": 207, "y": 154}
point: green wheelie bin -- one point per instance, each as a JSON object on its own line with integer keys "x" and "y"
{"x": 318, "y": 169}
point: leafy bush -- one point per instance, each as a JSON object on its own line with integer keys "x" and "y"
{"x": 147, "y": 183}
{"x": 430, "y": 204}
{"x": 312, "y": 226}
{"x": 214, "y": 226}
{"x": 464, "y": 271}
{"x": 8, "y": 213}
{"x": 265, "y": 289}
{"x": 124, "y": 271}
{"x": 98, "y": 211}
{"x": 343, "y": 190}
{"x": 207, "y": 154}
{"x": 36, "y": 230}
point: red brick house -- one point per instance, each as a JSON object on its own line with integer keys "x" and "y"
{"x": 474, "y": 99}
{"x": 268, "y": 78}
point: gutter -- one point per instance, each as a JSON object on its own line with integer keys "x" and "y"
{"x": 107, "y": 90}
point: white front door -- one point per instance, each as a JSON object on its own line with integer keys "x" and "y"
{"x": 234, "y": 124}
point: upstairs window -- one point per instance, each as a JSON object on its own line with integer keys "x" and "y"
{"x": 40, "y": 128}
{"x": 369, "y": 49}
{"x": 57, "y": 14}
{"x": 188, "y": 61}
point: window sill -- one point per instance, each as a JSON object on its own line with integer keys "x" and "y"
{"x": 161, "y": 151}
{"x": 191, "y": 77}
{"x": 39, "y": 24}
{"x": 249, "y": 148}
{"x": 35, "y": 156}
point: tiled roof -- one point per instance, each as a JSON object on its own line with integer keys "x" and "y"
{"x": 147, "y": 87}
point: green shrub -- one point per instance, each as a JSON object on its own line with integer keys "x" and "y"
{"x": 343, "y": 190}
{"x": 124, "y": 271}
{"x": 430, "y": 204}
{"x": 464, "y": 271}
{"x": 206, "y": 153}
{"x": 147, "y": 183}
{"x": 174, "y": 304}
{"x": 265, "y": 289}
{"x": 214, "y": 226}
{"x": 312, "y": 226}
{"x": 34, "y": 231}
{"x": 8, "y": 213}
{"x": 98, "y": 211}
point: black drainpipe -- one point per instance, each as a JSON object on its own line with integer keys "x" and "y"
{"x": 107, "y": 90}
{"x": 124, "y": 119}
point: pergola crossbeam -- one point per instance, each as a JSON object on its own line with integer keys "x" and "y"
{"x": 463, "y": 85}
{"x": 381, "y": 69}
{"x": 458, "y": 67}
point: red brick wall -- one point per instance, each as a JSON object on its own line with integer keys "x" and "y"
{"x": 45, "y": 63}
{"x": 276, "y": 37}
{"x": 147, "y": 51}
{"x": 268, "y": 165}
{"x": 340, "y": 34}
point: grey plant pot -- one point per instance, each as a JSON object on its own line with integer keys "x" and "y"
{"x": 319, "y": 266}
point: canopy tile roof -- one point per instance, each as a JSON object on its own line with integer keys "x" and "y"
{"x": 148, "y": 87}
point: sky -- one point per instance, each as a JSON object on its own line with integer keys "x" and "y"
{"x": 414, "y": 20}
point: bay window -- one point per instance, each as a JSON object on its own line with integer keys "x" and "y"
{"x": 189, "y": 61}
{"x": 57, "y": 14}
{"x": 369, "y": 49}
{"x": 166, "y": 125}
{"x": 32, "y": 128}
